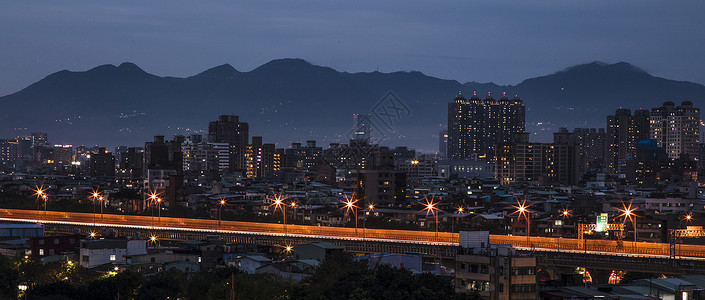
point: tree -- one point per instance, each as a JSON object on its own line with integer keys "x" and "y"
{"x": 167, "y": 284}
{"x": 9, "y": 279}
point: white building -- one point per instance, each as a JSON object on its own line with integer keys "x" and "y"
{"x": 105, "y": 251}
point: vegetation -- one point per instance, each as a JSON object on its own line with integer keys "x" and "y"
{"x": 339, "y": 277}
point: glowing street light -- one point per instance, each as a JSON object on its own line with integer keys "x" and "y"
{"x": 430, "y": 207}
{"x": 370, "y": 208}
{"x": 45, "y": 197}
{"x": 688, "y": 218}
{"x": 628, "y": 213}
{"x": 350, "y": 205}
{"x": 95, "y": 194}
{"x": 523, "y": 210}
{"x": 153, "y": 197}
{"x": 459, "y": 211}
{"x": 278, "y": 203}
{"x": 565, "y": 213}
{"x": 222, "y": 203}
{"x": 40, "y": 192}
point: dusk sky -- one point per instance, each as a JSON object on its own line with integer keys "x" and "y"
{"x": 499, "y": 41}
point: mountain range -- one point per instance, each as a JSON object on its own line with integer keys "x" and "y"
{"x": 291, "y": 100}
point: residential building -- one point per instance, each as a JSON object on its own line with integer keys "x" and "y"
{"x": 676, "y": 128}
{"x": 476, "y": 126}
{"x": 494, "y": 271}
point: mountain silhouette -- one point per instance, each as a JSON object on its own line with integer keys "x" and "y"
{"x": 290, "y": 100}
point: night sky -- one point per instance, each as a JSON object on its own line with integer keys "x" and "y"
{"x": 499, "y": 41}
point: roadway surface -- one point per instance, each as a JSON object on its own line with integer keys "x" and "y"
{"x": 607, "y": 247}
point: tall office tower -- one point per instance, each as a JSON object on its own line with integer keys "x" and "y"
{"x": 475, "y": 126}
{"x": 229, "y": 129}
{"x": 361, "y": 127}
{"x": 676, "y": 128}
{"x": 204, "y": 158}
{"x": 624, "y": 131}
{"x": 443, "y": 143}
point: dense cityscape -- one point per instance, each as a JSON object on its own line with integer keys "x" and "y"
{"x": 361, "y": 150}
{"x": 627, "y": 188}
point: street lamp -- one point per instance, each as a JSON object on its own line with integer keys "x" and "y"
{"x": 459, "y": 212}
{"x": 100, "y": 199}
{"x": 278, "y": 202}
{"x": 687, "y": 218}
{"x": 430, "y": 207}
{"x": 294, "y": 206}
{"x": 46, "y": 199}
{"x": 40, "y": 192}
{"x": 153, "y": 196}
{"x": 370, "y": 207}
{"x": 628, "y": 213}
{"x": 350, "y": 205}
{"x": 523, "y": 210}
{"x": 95, "y": 194}
{"x": 220, "y": 214}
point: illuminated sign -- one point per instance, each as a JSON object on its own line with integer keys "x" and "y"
{"x": 601, "y": 224}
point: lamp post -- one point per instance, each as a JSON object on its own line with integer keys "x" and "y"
{"x": 350, "y": 205}
{"x": 100, "y": 199}
{"x": 278, "y": 202}
{"x": 628, "y": 213}
{"x": 523, "y": 210}
{"x": 564, "y": 214}
{"x": 431, "y": 208}
{"x": 152, "y": 199}
{"x": 687, "y": 219}
{"x": 294, "y": 206}
{"x": 46, "y": 199}
{"x": 40, "y": 192}
{"x": 95, "y": 195}
{"x": 459, "y": 211}
{"x": 220, "y": 214}
{"x": 370, "y": 207}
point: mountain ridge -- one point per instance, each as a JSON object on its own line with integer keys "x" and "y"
{"x": 288, "y": 100}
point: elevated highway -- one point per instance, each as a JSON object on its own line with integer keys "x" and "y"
{"x": 553, "y": 251}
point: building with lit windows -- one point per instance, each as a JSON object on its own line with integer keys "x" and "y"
{"x": 494, "y": 271}
{"x": 262, "y": 160}
{"x": 229, "y": 129}
{"x": 624, "y": 131}
{"x": 676, "y": 128}
{"x": 476, "y": 126}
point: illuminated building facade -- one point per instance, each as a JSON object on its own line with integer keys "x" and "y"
{"x": 229, "y": 129}
{"x": 476, "y": 126}
{"x": 676, "y": 128}
{"x": 624, "y": 131}
{"x": 262, "y": 160}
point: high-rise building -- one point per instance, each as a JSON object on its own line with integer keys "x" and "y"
{"x": 590, "y": 143}
{"x": 102, "y": 164}
{"x": 380, "y": 182}
{"x": 361, "y": 127}
{"x": 300, "y": 158}
{"x": 229, "y": 129}
{"x": 537, "y": 163}
{"x": 203, "y": 158}
{"x": 131, "y": 166}
{"x": 475, "y": 126}
{"x": 262, "y": 160}
{"x": 624, "y": 131}
{"x": 676, "y": 128}
{"x": 443, "y": 143}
